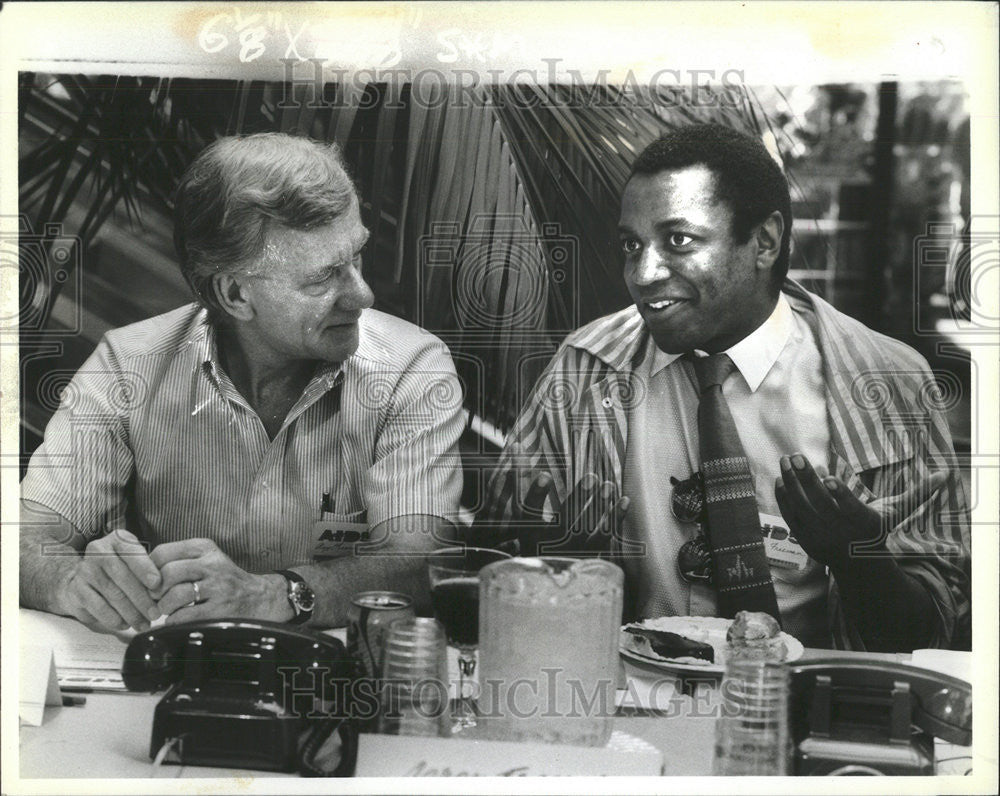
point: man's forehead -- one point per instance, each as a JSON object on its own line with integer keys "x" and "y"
{"x": 689, "y": 190}
{"x": 344, "y": 232}
{"x": 697, "y": 180}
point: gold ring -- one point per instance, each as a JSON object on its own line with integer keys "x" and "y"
{"x": 197, "y": 591}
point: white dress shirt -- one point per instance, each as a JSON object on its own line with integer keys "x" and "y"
{"x": 777, "y": 398}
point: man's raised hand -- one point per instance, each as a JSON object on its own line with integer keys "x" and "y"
{"x": 828, "y": 519}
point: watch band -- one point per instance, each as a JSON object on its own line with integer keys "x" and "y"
{"x": 300, "y": 596}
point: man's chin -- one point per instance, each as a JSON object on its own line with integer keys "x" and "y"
{"x": 339, "y": 342}
{"x": 669, "y": 343}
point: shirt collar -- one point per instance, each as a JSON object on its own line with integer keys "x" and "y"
{"x": 755, "y": 354}
{"x": 204, "y": 347}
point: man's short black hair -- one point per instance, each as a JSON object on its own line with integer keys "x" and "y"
{"x": 747, "y": 177}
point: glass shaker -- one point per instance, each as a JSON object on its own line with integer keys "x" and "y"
{"x": 752, "y": 732}
{"x": 548, "y": 646}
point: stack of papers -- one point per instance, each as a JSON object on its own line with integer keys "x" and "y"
{"x": 84, "y": 659}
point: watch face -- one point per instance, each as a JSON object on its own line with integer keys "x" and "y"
{"x": 302, "y": 596}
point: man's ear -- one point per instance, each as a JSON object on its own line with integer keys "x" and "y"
{"x": 769, "y": 240}
{"x": 233, "y": 296}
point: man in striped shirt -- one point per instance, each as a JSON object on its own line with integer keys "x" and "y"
{"x": 265, "y": 453}
{"x": 855, "y": 479}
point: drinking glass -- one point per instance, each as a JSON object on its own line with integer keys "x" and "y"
{"x": 454, "y": 577}
{"x": 752, "y": 733}
{"x": 415, "y": 676}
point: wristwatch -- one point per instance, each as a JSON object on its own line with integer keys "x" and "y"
{"x": 300, "y": 596}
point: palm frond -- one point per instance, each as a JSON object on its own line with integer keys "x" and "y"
{"x": 518, "y": 185}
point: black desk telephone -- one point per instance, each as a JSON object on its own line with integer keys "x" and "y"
{"x": 247, "y": 695}
{"x": 873, "y": 717}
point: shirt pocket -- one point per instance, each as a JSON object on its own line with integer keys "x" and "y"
{"x": 338, "y": 535}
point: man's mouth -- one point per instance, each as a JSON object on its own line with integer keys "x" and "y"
{"x": 665, "y": 304}
{"x": 344, "y": 323}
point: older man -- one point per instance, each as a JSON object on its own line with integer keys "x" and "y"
{"x": 264, "y": 453}
{"x": 774, "y": 454}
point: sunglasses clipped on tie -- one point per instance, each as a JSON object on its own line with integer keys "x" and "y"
{"x": 687, "y": 504}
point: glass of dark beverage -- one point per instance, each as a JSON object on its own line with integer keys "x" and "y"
{"x": 454, "y": 577}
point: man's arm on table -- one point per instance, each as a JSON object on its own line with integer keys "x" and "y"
{"x": 72, "y": 561}
{"x": 395, "y": 561}
{"x": 104, "y": 582}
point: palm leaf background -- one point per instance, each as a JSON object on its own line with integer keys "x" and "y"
{"x": 493, "y": 220}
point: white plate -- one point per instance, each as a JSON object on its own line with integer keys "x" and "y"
{"x": 706, "y": 629}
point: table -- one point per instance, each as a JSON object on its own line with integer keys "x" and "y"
{"x": 109, "y": 736}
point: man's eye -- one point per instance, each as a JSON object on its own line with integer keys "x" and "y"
{"x": 323, "y": 279}
{"x": 679, "y": 240}
{"x": 630, "y": 245}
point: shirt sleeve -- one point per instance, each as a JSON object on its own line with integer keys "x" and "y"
{"x": 932, "y": 543}
{"x": 931, "y": 538}
{"x": 417, "y": 466}
{"x": 84, "y": 464}
{"x": 536, "y": 443}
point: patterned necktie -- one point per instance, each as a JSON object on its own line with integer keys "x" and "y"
{"x": 742, "y": 575}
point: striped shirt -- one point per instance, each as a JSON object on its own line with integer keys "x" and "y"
{"x": 778, "y": 370}
{"x": 887, "y": 432}
{"x": 152, "y": 435}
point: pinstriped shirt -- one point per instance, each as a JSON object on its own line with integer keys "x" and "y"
{"x": 152, "y": 435}
{"x": 887, "y": 432}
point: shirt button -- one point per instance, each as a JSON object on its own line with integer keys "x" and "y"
{"x": 606, "y": 402}
{"x": 264, "y": 484}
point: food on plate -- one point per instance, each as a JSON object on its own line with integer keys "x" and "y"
{"x": 751, "y": 636}
{"x": 756, "y": 636}
{"x": 673, "y": 645}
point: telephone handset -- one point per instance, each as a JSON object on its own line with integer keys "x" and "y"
{"x": 874, "y": 717}
{"x": 247, "y": 694}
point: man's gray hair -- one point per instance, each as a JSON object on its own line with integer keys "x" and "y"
{"x": 237, "y": 187}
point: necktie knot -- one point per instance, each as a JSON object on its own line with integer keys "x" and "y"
{"x": 712, "y": 370}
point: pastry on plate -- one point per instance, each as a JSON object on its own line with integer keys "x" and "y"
{"x": 756, "y": 636}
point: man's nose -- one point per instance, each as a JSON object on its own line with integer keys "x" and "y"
{"x": 358, "y": 295}
{"x": 651, "y": 267}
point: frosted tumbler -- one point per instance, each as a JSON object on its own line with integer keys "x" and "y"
{"x": 548, "y": 649}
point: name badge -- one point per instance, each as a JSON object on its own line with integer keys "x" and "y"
{"x": 336, "y": 535}
{"x": 781, "y": 548}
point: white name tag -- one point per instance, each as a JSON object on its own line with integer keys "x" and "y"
{"x": 336, "y": 534}
{"x": 780, "y": 546}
